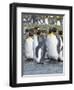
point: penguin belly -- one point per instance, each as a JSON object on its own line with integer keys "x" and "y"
{"x": 35, "y": 44}
{"x": 29, "y": 48}
{"x": 61, "y": 49}
{"x": 51, "y": 44}
{"x": 39, "y": 56}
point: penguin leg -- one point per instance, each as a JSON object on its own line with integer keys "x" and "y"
{"x": 43, "y": 54}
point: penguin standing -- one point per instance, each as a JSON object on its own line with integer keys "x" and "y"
{"x": 51, "y": 44}
{"x": 35, "y": 44}
{"x": 60, "y": 46}
{"x": 29, "y": 46}
{"x": 40, "y": 49}
{"x": 37, "y": 47}
{"x": 61, "y": 50}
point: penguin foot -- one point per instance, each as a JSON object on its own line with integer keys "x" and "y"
{"x": 59, "y": 60}
{"x": 40, "y": 63}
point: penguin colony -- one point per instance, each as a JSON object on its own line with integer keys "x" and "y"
{"x": 41, "y": 45}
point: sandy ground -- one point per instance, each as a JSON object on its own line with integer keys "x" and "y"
{"x": 32, "y": 68}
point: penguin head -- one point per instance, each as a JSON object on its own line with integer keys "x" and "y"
{"x": 43, "y": 33}
{"x": 38, "y": 32}
{"x": 52, "y": 30}
{"x": 35, "y": 30}
{"x": 60, "y": 32}
{"x": 30, "y": 33}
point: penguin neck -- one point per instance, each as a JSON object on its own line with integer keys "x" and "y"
{"x": 35, "y": 34}
{"x": 51, "y": 34}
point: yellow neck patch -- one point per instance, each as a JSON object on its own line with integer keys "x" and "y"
{"x": 51, "y": 35}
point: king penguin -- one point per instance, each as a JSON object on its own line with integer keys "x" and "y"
{"x": 51, "y": 44}
{"x": 29, "y": 46}
{"x": 60, "y": 46}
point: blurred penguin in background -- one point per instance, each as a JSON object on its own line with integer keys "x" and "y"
{"x": 29, "y": 46}
{"x": 51, "y": 44}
